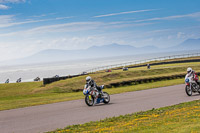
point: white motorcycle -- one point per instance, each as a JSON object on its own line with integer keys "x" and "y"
{"x": 92, "y": 96}
{"x": 191, "y": 86}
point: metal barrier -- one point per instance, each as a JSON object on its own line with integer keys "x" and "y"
{"x": 142, "y": 61}
{"x": 53, "y": 79}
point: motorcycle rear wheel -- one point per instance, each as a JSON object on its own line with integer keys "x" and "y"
{"x": 188, "y": 90}
{"x": 88, "y": 101}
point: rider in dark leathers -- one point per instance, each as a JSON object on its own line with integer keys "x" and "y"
{"x": 91, "y": 82}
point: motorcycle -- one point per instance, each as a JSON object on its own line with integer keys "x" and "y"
{"x": 92, "y": 96}
{"x": 191, "y": 86}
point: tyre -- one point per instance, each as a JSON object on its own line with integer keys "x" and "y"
{"x": 106, "y": 97}
{"x": 198, "y": 90}
{"x": 89, "y": 100}
{"x": 188, "y": 90}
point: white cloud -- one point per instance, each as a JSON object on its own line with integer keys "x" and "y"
{"x": 66, "y": 27}
{"x": 43, "y": 15}
{"x": 8, "y": 21}
{"x": 4, "y": 25}
{"x": 169, "y": 37}
{"x": 77, "y": 42}
{"x": 120, "y": 13}
{"x": 192, "y": 15}
{"x": 124, "y": 24}
{"x": 38, "y": 16}
{"x": 73, "y": 27}
{"x": 12, "y": 1}
{"x": 56, "y": 28}
{"x": 180, "y": 35}
{"x": 4, "y": 7}
{"x": 59, "y": 18}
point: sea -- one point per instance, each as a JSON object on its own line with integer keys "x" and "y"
{"x": 28, "y": 72}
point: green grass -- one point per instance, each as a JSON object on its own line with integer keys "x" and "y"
{"x": 17, "y": 95}
{"x": 118, "y": 76}
{"x": 182, "y": 118}
{"x": 31, "y": 99}
{"x": 18, "y": 89}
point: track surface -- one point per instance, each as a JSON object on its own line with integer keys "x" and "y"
{"x": 58, "y": 115}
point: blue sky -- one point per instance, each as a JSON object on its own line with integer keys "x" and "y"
{"x": 29, "y": 26}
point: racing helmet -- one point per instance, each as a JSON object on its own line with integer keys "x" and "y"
{"x": 88, "y": 79}
{"x": 189, "y": 70}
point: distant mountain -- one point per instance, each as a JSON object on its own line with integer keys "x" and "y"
{"x": 53, "y": 55}
{"x": 118, "y": 50}
{"x": 111, "y": 50}
{"x": 189, "y": 44}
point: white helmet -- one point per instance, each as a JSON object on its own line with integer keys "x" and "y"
{"x": 189, "y": 70}
{"x": 88, "y": 79}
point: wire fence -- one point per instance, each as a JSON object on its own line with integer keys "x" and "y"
{"x": 141, "y": 61}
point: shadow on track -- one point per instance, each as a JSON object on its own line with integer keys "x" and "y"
{"x": 102, "y": 104}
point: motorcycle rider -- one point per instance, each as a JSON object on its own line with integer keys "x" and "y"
{"x": 191, "y": 74}
{"x": 91, "y": 82}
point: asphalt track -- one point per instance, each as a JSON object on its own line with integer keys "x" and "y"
{"x": 58, "y": 115}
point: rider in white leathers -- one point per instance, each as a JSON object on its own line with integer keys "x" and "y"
{"x": 191, "y": 74}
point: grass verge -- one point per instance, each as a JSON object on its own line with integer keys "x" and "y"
{"x": 25, "y": 100}
{"x": 182, "y": 118}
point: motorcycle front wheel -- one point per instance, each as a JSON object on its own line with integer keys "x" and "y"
{"x": 198, "y": 90}
{"x": 106, "y": 97}
{"x": 89, "y": 100}
{"x": 188, "y": 90}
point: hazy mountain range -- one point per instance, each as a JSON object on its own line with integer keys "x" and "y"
{"x": 190, "y": 44}
{"x": 52, "y": 55}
